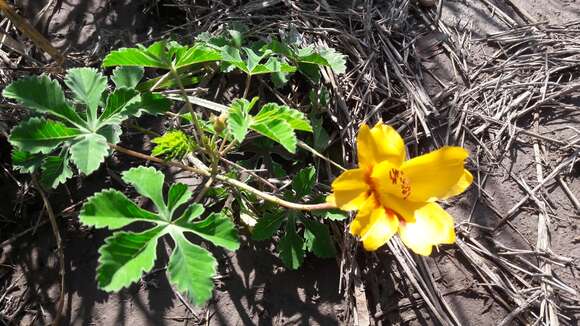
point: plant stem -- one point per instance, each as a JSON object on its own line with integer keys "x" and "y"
{"x": 248, "y": 83}
{"x": 54, "y": 225}
{"x": 198, "y": 134}
{"x": 227, "y": 180}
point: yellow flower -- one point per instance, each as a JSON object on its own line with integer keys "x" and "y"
{"x": 394, "y": 195}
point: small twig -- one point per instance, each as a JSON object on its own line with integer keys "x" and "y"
{"x": 54, "y": 225}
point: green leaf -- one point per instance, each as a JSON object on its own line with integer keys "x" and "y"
{"x": 279, "y": 131}
{"x": 272, "y": 111}
{"x": 125, "y": 256}
{"x": 153, "y": 103}
{"x": 331, "y": 214}
{"x": 239, "y": 118}
{"x": 88, "y": 153}
{"x": 173, "y": 145}
{"x": 43, "y": 95}
{"x": 304, "y": 181}
{"x": 217, "y": 228}
{"x": 37, "y": 135}
{"x": 87, "y": 86}
{"x": 318, "y": 239}
{"x": 268, "y": 225}
{"x": 148, "y": 182}
{"x": 111, "y": 209}
{"x": 26, "y": 162}
{"x": 321, "y": 137}
{"x": 118, "y": 104}
{"x": 251, "y": 64}
{"x": 335, "y": 59}
{"x": 191, "y": 213}
{"x": 291, "y": 247}
{"x": 55, "y": 170}
{"x": 191, "y": 269}
{"x": 178, "y": 195}
{"x": 154, "y": 56}
{"x": 127, "y": 76}
{"x": 197, "y": 54}
{"x": 112, "y": 133}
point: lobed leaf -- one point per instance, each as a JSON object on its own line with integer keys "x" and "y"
{"x": 37, "y": 135}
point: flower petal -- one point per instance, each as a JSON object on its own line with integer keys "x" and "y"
{"x": 350, "y": 189}
{"x": 432, "y": 226}
{"x": 374, "y": 224}
{"x": 387, "y": 178}
{"x": 437, "y": 175}
{"x": 378, "y": 144}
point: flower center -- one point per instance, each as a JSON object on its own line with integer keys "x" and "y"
{"x": 397, "y": 177}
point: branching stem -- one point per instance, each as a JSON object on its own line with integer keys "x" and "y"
{"x": 227, "y": 180}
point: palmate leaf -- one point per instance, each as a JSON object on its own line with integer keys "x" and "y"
{"x": 38, "y": 135}
{"x": 87, "y": 86}
{"x": 126, "y": 255}
{"x": 43, "y": 95}
{"x": 117, "y": 104}
{"x": 89, "y": 152}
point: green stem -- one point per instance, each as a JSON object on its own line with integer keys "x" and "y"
{"x": 198, "y": 134}
{"x": 227, "y": 180}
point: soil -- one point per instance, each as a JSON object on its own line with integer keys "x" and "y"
{"x": 253, "y": 287}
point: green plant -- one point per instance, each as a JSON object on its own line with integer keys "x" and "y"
{"x": 84, "y": 129}
{"x": 76, "y": 130}
{"x": 126, "y": 255}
